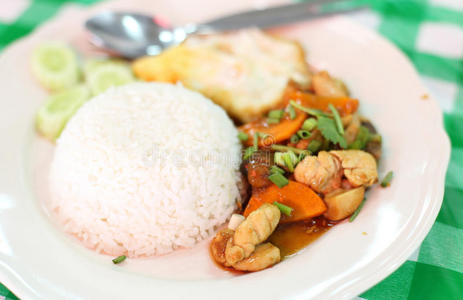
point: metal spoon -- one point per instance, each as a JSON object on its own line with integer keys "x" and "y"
{"x": 132, "y": 35}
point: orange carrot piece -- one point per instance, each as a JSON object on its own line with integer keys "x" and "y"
{"x": 276, "y": 133}
{"x": 345, "y": 106}
{"x": 305, "y": 202}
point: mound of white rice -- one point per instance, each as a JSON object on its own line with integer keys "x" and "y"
{"x": 144, "y": 169}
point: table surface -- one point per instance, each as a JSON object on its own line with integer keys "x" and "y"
{"x": 430, "y": 33}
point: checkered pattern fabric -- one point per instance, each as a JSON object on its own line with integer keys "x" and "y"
{"x": 430, "y": 33}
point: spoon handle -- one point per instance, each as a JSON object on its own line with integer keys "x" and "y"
{"x": 273, "y": 16}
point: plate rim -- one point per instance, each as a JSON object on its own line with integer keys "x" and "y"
{"x": 11, "y": 278}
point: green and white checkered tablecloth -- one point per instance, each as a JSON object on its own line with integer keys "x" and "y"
{"x": 430, "y": 32}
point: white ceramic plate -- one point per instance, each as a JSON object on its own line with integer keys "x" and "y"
{"x": 38, "y": 261}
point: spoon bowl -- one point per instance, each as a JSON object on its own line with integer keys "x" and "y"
{"x": 132, "y": 34}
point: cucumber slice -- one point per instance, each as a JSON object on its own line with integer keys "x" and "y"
{"x": 58, "y": 109}
{"x": 109, "y": 75}
{"x": 92, "y": 64}
{"x": 55, "y": 66}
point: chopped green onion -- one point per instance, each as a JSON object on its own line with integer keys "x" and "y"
{"x": 276, "y": 114}
{"x": 387, "y": 179}
{"x": 255, "y": 142}
{"x": 119, "y": 259}
{"x": 294, "y": 139}
{"x": 375, "y": 138}
{"x": 292, "y": 112}
{"x": 276, "y": 169}
{"x": 288, "y": 160}
{"x": 309, "y": 124}
{"x": 337, "y": 118}
{"x": 249, "y": 152}
{"x": 287, "y": 148}
{"x": 303, "y": 134}
{"x": 284, "y": 208}
{"x": 278, "y": 179}
{"x": 361, "y": 140}
{"x": 310, "y": 111}
{"x": 278, "y": 159}
{"x": 357, "y": 211}
{"x": 301, "y": 157}
{"x": 314, "y": 145}
{"x": 273, "y": 121}
{"x": 242, "y": 136}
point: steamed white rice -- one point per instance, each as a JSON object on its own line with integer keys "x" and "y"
{"x": 144, "y": 169}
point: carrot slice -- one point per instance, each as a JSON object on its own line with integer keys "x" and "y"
{"x": 275, "y": 133}
{"x": 344, "y": 105}
{"x": 305, "y": 202}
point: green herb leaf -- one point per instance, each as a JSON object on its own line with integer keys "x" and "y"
{"x": 284, "y": 208}
{"x": 337, "y": 118}
{"x": 357, "y": 211}
{"x": 242, "y": 136}
{"x": 119, "y": 259}
{"x": 310, "y": 111}
{"x": 328, "y": 129}
{"x": 387, "y": 179}
{"x": 278, "y": 179}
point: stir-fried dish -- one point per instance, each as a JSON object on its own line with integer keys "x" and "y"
{"x": 308, "y": 156}
{"x": 308, "y": 162}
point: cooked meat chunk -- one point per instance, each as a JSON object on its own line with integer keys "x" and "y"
{"x": 254, "y": 230}
{"x": 325, "y": 85}
{"x": 359, "y": 167}
{"x": 258, "y": 175}
{"x": 219, "y": 244}
{"x": 323, "y": 173}
{"x": 264, "y": 256}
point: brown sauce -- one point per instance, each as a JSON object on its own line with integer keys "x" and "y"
{"x": 290, "y": 238}
{"x": 293, "y": 237}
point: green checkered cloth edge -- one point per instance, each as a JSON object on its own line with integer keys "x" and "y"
{"x": 430, "y": 33}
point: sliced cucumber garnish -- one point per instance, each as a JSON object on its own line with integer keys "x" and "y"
{"x": 58, "y": 109}
{"x": 93, "y": 64}
{"x": 55, "y": 66}
{"x": 108, "y": 75}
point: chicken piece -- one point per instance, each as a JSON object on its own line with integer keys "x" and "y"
{"x": 359, "y": 167}
{"x": 257, "y": 227}
{"x": 264, "y": 256}
{"x": 246, "y": 71}
{"x": 323, "y": 173}
{"x": 219, "y": 244}
{"x": 325, "y": 85}
{"x": 352, "y": 129}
